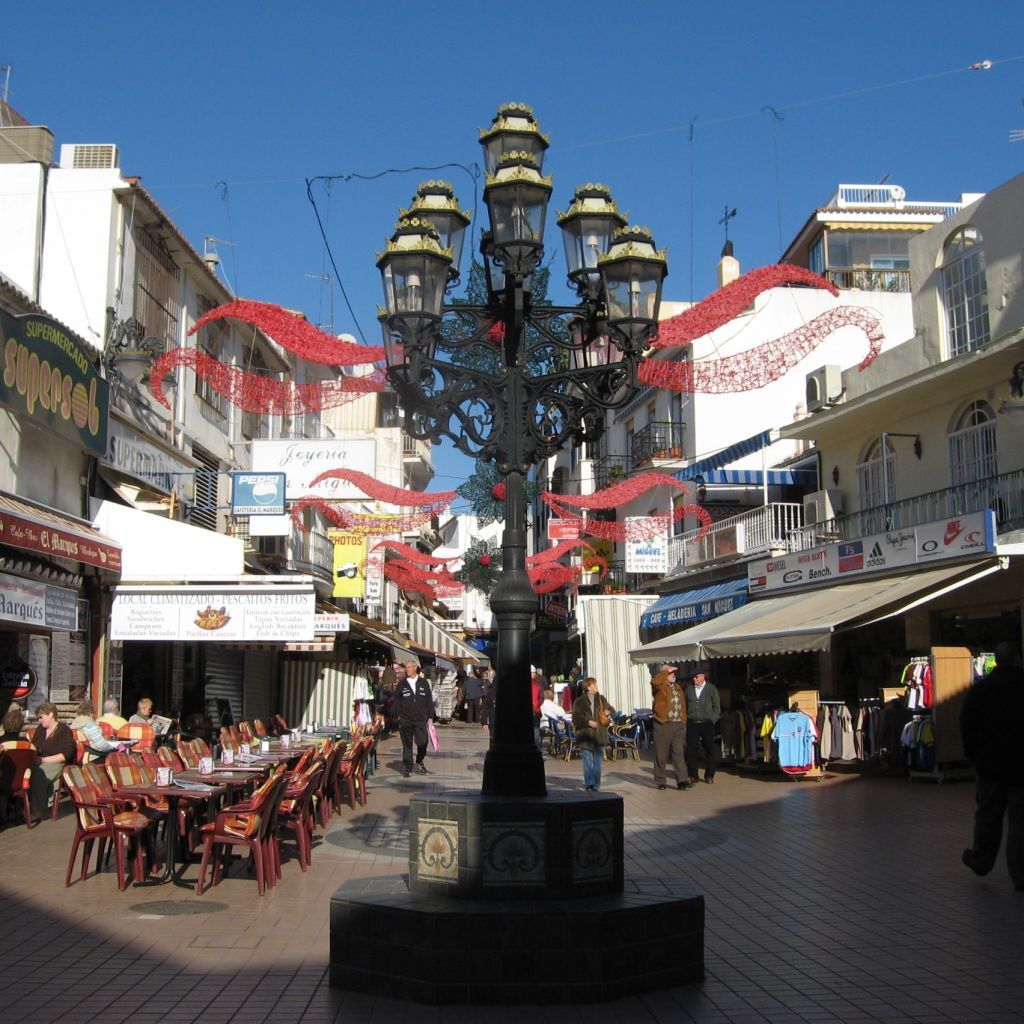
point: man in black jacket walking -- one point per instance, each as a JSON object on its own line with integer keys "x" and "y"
{"x": 989, "y": 721}
{"x": 703, "y": 710}
{"x": 414, "y": 706}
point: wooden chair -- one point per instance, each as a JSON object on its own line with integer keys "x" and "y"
{"x": 97, "y": 818}
{"x": 142, "y": 732}
{"x": 16, "y": 766}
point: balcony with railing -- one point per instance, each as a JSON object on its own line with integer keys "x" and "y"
{"x": 615, "y": 581}
{"x": 310, "y": 551}
{"x": 868, "y": 279}
{"x": 658, "y": 440}
{"x": 1003, "y": 493}
{"x": 757, "y": 531}
{"x": 610, "y": 469}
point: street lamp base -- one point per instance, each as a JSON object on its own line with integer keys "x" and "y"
{"x": 514, "y": 770}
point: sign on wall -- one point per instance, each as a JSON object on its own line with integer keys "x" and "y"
{"x": 257, "y": 494}
{"x": 349, "y": 564}
{"x": 649, "y": 555}
{"x": 37, "y": 604}
{"x": 957, "y": 537}
{"x": 130, "y": 452}
{"x": 268, "y": 614}
{"x": 563, "y": 529}
{"x": 47, "y": 376}
{"x": 302, "y": 461}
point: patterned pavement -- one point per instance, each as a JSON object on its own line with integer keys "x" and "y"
{"x": 839, "y": 901}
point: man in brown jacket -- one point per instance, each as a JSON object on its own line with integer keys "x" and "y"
{"x": 669, "y": 705}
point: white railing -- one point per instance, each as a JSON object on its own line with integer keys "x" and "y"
{"x": 754, "y": 532}
{"x": 893, "y": 196}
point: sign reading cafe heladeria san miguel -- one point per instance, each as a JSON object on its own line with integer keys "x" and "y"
{"x": 47, "y": 376}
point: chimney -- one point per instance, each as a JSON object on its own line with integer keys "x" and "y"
{"x": 728, "y": 266}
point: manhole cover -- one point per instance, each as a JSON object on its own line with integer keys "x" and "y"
{"x": 178, "y": 908}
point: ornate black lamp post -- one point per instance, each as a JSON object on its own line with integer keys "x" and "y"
{"x": 510, "y": 380}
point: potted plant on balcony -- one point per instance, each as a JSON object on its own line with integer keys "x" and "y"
{"x": 616, "y": 473}
{"x": 675, "y": 452}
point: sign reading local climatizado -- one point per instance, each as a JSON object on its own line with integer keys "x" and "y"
{"x": 957, "y": 537}
{"x": 267, "y": 614}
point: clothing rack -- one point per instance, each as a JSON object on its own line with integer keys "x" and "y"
{"x": 952, "y": 675}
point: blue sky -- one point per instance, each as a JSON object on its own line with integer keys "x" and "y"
{"x": 224, "y": 113}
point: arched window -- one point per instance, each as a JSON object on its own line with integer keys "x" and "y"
{"x": 964, "y": 291}
{"x": 876, "y": 477}
{"x": 972, "y": 445}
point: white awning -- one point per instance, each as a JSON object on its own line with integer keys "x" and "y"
{"x": 433, "y": 638}
{"x": 807, "y": 620}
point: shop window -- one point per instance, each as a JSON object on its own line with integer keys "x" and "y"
{"x": 965, "y": 292}
{"x": 972, "y": 445}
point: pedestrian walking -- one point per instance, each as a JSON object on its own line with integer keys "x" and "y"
{"x": 669, "y": 705}
{"x": 703, "y": 710}
{"x": 474, "y": 689}
{"x": 414, "y": 706}
{"x": 591, "y": 716}
{"x": 989, "y": 724}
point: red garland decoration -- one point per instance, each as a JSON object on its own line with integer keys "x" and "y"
{"x": 560, "y": 549}
{"x": 254, "y": 392}
{"x": 356, "y": 522}
{"x": 484, "y": 560}
{"x": 295, "y": 333}
{"x": 729, "y": 301}
{"x": 759, "y": 366}
{"x": 611, "y": 497}
{"x": 498, "y": 492}
{"x": 385, "y": 492}
{"x": 410, "y": 552}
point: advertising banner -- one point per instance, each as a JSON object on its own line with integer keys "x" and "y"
{"x": 349, "y": 564}
{"x": 302, "y": 461}
{"x": 957, "y": 537}
{"x": 563, "y": 529}
{"x": 48, "y": 377}
{"x": 257, "y": 494}
{"x": 37, "y": 604}
{"x": 249, "y": 614}
{"x": 649, "y": 555}
{"x": 331, "y": 622}
{"x": 133, "y": 454}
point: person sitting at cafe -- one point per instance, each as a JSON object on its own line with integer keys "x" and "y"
{"x": 14, "y": 722}
{"x": 144, "y": 711}
{"x": 112, "y": 714}
{"x": 56, "y": 747}
{"x": 85, "y": 722}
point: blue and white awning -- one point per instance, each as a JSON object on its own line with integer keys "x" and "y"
{"x": 735, "y": 451}
{"x": 754, "y": 477}
{"x": 696, "y": 605}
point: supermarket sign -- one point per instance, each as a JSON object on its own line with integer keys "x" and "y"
{"x": 973, "y": 534}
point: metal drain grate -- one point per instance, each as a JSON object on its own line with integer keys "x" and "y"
{"x": 177, "y": 908}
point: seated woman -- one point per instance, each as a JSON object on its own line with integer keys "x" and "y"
{"x": 56, "y": 747}
{"x": 14, "y": 722}
{"x": 144, "y": 711}
{"x": 85, "y": 720}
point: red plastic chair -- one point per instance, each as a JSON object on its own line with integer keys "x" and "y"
{"x": 295, "y": 812}
{"x": 187, "y": 754}
{"x": 141, "y": 732}
{"x": 202, "y": 748}
{"x": 281, "y": 723}
{"x": 16, "y": 766}
{"x": 97, "y": 818}
{"x": 109, "y": 732}
{"x": 169, "y": 759}
{"x": 245, "y": 731}
{"x": 259, "y": 728}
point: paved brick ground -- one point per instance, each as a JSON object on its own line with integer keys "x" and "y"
{"x": 836, "y": 901}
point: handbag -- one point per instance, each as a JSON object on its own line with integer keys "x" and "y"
{"x": 603, "y": 715}
{"x": 432, "y": 733}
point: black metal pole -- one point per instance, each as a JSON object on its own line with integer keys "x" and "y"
{"x": 514, "y": 766}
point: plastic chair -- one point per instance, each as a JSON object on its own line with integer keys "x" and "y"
{"x": 295, "y": 811}
{"x": 109, "y": 732}
{"x": 245, "y": 731}
{"x": 96, "y": 818}
{"x": 259, "y": 728}
{"x": 556, "y": 737}
{"x": 16, "y": 765}
{"x": 281, "y": 723}
{"x": 142, "y": 732}
{"x": 324, "y": 797}
{"x": 624, "y": 737}
{"x": 187, "y": 754}
{"x": 169, "y": 759}
{"x": 571, "y": 747}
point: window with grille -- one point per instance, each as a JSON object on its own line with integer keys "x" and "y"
{"x": 204, "y": 512}
{"x": 876, "y": 476}
{"x": 965, "y": 292}
{"x": 212, "y": 339}
{"x": 157, "y": 287}
{"x": 972, "y": 445}
{"x": 254, "y": 424}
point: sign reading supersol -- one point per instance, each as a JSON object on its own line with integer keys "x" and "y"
{"x": 46, "y": 375}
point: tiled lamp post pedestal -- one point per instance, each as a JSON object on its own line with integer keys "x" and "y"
{"x": 515, "y": 900}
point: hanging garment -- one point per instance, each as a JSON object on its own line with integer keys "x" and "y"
{"x": 794, "y": 732}
{"x": 825, "y": 732}
{"x": 837, "y": 733}
{"x": 767, "y": 727}
{"x": 849, "y": 750}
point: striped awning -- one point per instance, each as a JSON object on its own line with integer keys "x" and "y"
{"x": 754, "y": 477}
{"x": 735, "y": 451}
{"x": 431, "y": 636}
{"x": 696, "y": 605}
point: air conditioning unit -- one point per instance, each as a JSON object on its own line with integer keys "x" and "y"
{"x": 824, "y": 386}
{"x": 90, "y": 156}
{"x": 272, "y": 547}
{"x": 821, "y": 506}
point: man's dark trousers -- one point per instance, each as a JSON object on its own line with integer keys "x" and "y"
{"x": 409, "y": 730}
{"x": 994, "y": 800}
{"x": 669, "y": 743}
{"x": 700, "y": 734}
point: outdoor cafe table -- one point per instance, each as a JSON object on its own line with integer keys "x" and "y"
{"x": 172, "y": 794}
{"x": 227, "y": 777}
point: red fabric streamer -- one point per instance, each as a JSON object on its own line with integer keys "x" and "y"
{"x": 561, "y": 548}
{"x": 411, "y": 553}
{"x": 295, "y": 333}
{"x": 757, "y": 367}
{"x": 611, "y": 497}
{"x": 729, "y": 301}
{"x": 385, "y": 492}
{"x": 254, "y": 392}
